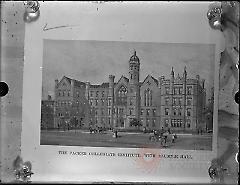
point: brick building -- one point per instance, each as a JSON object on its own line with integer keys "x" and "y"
{"x": 70, "y": 102}
{"x": 177, "y": 102}
{"x": 183, "y": 101}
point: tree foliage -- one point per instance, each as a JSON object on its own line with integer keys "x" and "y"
{"x": 135, "y": 123}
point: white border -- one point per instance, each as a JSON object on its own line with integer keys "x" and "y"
{"x": 170, "y": 23}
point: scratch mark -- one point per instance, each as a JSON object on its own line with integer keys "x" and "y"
{"x": 55, "y": 27}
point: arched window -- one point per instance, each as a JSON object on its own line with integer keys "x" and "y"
{"x": 148, "y": 97}
{"x": 122, "y": 95}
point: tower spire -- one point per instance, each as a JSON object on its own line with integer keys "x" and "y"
{"x": 185, "y": 72}
{"x": 172, "y": 72}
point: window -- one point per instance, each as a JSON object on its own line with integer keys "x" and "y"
{"x": 174, "y": 112}
{"x": 141, "y": 112}
{"x": 91, "y": 103}
{"x": 176, "y": 123}
{"x": 180, "y": 90}
{"x": 63, "y": 93}
{"x": 188, "y": 123}
{"x": 167, "y": 101}
{"x": 130, "y": 111}
{"x": 148, "y": 112}
{"x": 179, "y": 112}
{"x": 174, "y": 101}
{"x": 109, "y": 101}
{"x": 180, "y": 101}
{"x": 102, "y": 111}
{"x": 167, "y": 90}
{"x": 96, "y": 102}
{"x": 97, "y": 93}
{"x": 59, "y": 93}
{"x": 122, "y": 96}
{"x": 189, "y": 101}
{"x": 130, "y": 101}
{"x": 154, "y": 122}
{"x": 91, "y": 93}
{"x": 175, "y": 90}
{"x": 154, "y": 112}
{"x": 120, "y": 110}
{"x": 166, "y": 111}
{"x": 103, "y": 93}
{"x": 148, "y": 97}
{"x": 68, "y": 93}
{"x": 102, "y": 102}
{"x": 109, "y": 111}
{"x": 131, "y": 76}
{"x": 96, "y": 112}
{"x": 147, "y": 122}
{"x": 77, "y": 94}
{"x": 188, "y": 112}
{"x": 189, "y": 90}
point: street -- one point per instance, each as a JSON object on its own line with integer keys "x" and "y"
{"x": 125, "y": 140}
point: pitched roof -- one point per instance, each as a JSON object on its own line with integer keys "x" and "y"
{"x": 126, "y": 78}
{"x": 76, "y": 82}
{"x": 154, "y": 79}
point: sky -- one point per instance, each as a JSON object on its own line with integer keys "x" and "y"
{"x": 94, "y": 61}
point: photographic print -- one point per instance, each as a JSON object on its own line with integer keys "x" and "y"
{"x": 127, "y": 94}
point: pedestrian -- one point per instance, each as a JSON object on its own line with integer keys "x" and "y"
{"x": 173, "y": 138}
{"x": 116, "y": 133}
{"x": 165, "y": 139}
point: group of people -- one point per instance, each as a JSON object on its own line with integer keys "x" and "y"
{"x": 162, "y": 135}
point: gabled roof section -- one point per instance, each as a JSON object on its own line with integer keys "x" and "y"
{"x": 76, "y": 82}
{"x": 156, "y": 81}
{"x": 149, "y": 76}
{"x": 123, "y": 77}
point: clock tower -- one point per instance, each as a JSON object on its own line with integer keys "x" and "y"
{"x": 133, "y": 96}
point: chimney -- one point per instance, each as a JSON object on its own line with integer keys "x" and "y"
{"x": 56, "y": 82}
{"x": 111, "y": 81}
{"x": 198, "y": 77}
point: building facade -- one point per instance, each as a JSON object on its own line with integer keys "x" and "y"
{"x": 175, "y": 103}
{"x": 183, "y": 102}
{"x": 70, "y": 103}
{"x": 47, "y": 113}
